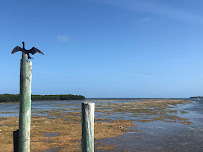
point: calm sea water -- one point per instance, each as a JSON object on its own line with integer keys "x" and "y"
{"x": 158, "y": 136}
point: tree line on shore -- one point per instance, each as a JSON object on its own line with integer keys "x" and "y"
{"x": 16, "y": 97}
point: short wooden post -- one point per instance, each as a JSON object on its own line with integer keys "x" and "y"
{"x": 88, "y": 127}
{"x": 25, "y": 104}
{"x": 15, "y": 140}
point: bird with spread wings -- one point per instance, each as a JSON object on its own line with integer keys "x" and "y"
{"x": 33, "y": 50}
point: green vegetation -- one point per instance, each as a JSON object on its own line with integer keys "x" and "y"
{"x": 197, "y": 97}
{"x": 16, "y": 97}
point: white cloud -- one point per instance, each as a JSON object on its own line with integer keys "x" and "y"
{"x": 141, "y": 75}
{"x": 63, "y": 38}
{"x": 145, "y": 20}
{"x": 155, "y": 8}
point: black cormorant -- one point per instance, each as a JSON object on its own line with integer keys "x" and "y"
{"x": 33, "y": 50}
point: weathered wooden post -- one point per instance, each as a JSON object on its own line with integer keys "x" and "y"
{"x": 15, "y": 140}
{"x": 88, "y": 127}
{"x": 25, "y": 98}
{"x": 25, "y": 104}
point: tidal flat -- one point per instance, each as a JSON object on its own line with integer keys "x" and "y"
{"x": 120, "y": 125}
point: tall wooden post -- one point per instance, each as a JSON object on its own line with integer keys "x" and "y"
{"x": 88, "y": 127}
{"x": 25, "y": 104}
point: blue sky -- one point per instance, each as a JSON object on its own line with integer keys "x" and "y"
{"x": 105, "y": 48}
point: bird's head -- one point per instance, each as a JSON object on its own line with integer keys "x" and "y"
{"x": 23, "y": 45}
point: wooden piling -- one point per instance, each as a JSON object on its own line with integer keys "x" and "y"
{"x": 15, "y": 140}
{"x": 88, "y": 127}
{"x": 25, "y": 104}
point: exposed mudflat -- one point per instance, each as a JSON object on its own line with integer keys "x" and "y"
{"x": 118, "y": 125}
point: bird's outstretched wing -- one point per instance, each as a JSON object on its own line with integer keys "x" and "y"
{"x": 16, "y": 49}
{"x": 34, "y": 50}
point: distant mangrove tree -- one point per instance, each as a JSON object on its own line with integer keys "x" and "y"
{"x": 16, "y": 97}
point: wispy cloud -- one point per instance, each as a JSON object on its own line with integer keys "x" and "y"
{"x": 63, "y": 38}
{"x": 155, "y": 8}
{"x": 141, "y": 75}
{"x": 145, "y": 20}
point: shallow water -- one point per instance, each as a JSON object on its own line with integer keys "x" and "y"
{"x": 155, "y": 136}
{"x": 12, "y": 109}
{"x": 159, "y": 136}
